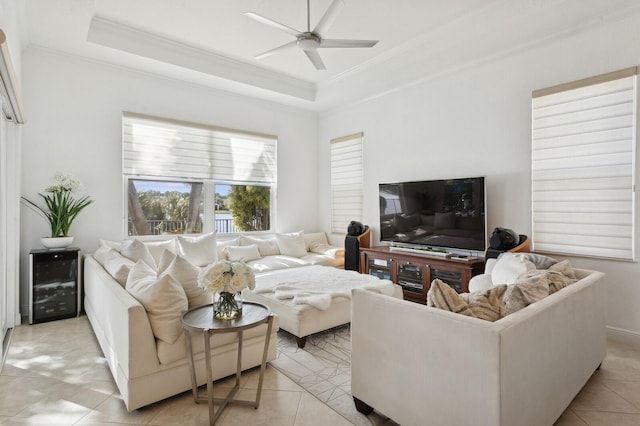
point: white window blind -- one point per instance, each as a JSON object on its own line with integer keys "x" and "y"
{"x": 346, "y": 181}
{"x": 583, "y": 163}
{"x": 169, "y": 148}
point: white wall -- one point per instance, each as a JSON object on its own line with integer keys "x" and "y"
{"x": 476, "y": 121}
{"x": 74, "y": 126}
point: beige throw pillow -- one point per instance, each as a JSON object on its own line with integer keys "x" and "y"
{"x": 163, "y": 298}
{"x": 185, "y": 273}
{"x": 156, "y": 248}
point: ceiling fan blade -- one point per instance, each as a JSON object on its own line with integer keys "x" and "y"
{"x": 328, "y": 17}
{"x": 315, "y": 59}
{"x": 277, "y": 49}
{"x": 347, "y": 43}
{"x": 272, "y": 23}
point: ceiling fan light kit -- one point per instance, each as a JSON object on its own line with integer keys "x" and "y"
{"x": 309, "y": 41}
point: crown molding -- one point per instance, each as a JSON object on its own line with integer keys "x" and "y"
{"x": 139, "y": 42}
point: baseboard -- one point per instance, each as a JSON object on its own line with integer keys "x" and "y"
{"x": 623, "y": 335}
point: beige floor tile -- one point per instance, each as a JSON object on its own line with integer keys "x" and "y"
{"x": 569, "y": 418}
{"x": 603, "y": 418}
{"x": 595, "y": 396}
{"x": 276, "y": 408}
{"x": 312, "y": 412}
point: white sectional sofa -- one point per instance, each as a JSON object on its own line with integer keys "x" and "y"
{"x": 148, "y": 366}
{"x": 422, "y": 365}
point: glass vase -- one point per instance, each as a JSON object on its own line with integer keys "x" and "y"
{"x": 227, "y": 306}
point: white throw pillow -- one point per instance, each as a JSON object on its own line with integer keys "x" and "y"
{"x": 101, "y": 253}
{"x": 243, "y": 253}
{"x": 314, "y": 239}
{"x": 186, "y": 274}
{"x": 163, "y": 298}
{"x": 509, "y": 267}
{"x": 156, "y": 248}
{"x": 201, "y": 250}
{"x": 266, "y": 246}
{"x": 111, "y": 244}
{"x": 136, "y": 250}
{"x": 292, "y": 244}
{"x": 221, "y": 245}
{"x": 117, "y": 266}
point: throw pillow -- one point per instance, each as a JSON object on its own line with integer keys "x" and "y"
{"x": 528, "y": 290}
{"x": 117, "y": 266}
{"x": 156, "y": 248}
{"x": 112, "y": 244}
{"x": 266, "y": 246}
{"x": 163, "y": 298}
{"x": 101, "y": 253}
{"x": 186, "y": 274}
{"x": 136, "y": 250}
{"x": 201, "y": 250}
{"x": 292, "y": 244}
{"x": 221, "y": 245}
{"x": 509, "y": 267}
{"x": 314, "y": 239}
{"x": 243, "y": 253}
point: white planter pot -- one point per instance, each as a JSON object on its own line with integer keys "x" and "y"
{"x": 56, "y": 242}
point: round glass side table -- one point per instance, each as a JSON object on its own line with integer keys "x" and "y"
{"x": 200, "y": 321}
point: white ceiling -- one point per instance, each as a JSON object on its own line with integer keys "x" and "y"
{"x": 211, "y": 42}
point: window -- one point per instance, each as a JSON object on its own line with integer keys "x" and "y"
{"x": 184, "y": 178}
{"x": 346, "y": 181}
{"x": 583, "y": 163}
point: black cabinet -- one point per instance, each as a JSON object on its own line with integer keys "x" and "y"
{"x": 54, "y": 290}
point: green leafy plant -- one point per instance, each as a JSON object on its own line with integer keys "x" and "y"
{"x": 61, "y": 206}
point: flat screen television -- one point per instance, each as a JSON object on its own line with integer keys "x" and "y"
{"x": 440, "y": 214}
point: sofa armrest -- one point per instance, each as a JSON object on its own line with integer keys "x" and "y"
{"x": 413, "y": 362}
{"x": 120, "y": 323}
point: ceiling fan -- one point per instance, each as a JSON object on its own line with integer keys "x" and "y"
{"x": 309, "y": 41}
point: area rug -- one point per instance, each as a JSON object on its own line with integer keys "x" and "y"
{"x": 323, "y": 368}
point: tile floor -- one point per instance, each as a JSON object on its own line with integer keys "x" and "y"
{"x": 55, "y": 375}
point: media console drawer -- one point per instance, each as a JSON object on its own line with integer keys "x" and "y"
{"x": 414, "y": 272}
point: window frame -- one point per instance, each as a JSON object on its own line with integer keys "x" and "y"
{"x": 349, "y": 177}
{"x": 213, "y": 177}
{"x": 583, "y": 167}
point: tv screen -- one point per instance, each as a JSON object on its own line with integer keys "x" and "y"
{"x": 448, "y": 213}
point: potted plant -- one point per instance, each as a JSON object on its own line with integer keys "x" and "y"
{"x": 61, "y": 209}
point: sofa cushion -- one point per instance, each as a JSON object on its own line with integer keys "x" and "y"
{"x": 163, "y": 298}
{"x": 201, "y": 250}
{"x": 327, "y": 250}
{"x": 186, "y": 274}
{"x": 242, "y": 253}
{"x": 292, "y": 244}
{"x": 136, "y": 250}
{"x": 509, "y": 267}
{"x": 485, "y": 305}
{"x": 266, "y": 246}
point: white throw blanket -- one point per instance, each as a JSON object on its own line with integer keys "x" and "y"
{"x": 316, "y": 285}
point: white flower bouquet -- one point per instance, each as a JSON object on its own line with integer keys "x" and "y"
{"x": 227, "y": 279}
